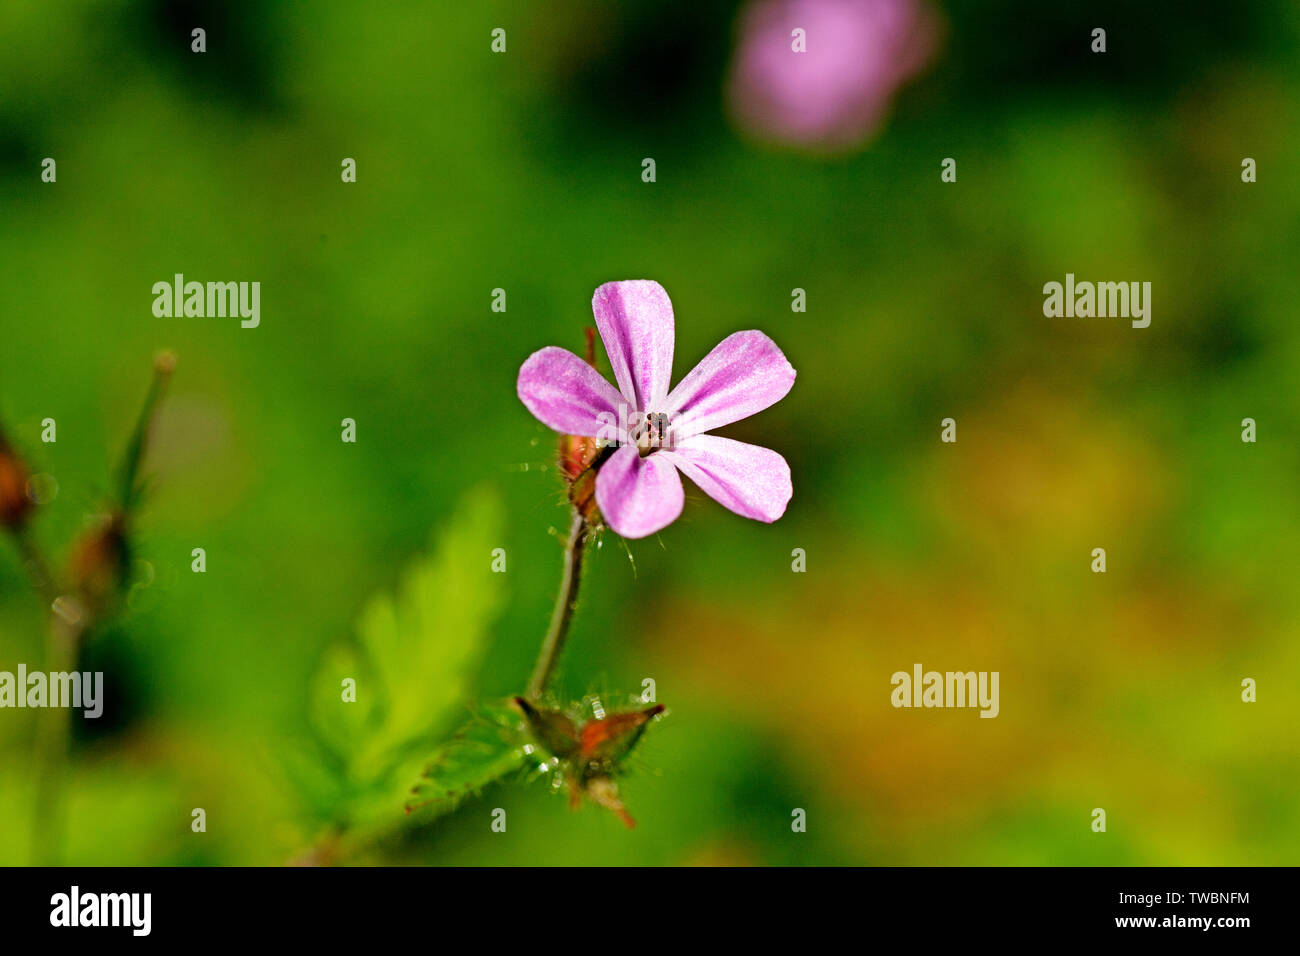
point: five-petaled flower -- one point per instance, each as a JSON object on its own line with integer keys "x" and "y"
{"x": 831, "y": 93}
{"x": 638, "y": 488}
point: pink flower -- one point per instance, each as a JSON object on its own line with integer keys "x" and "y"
{"x": 660, "y": 432}
{"x": 835, "y": 93}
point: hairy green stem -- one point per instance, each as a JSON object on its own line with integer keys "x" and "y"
{"x": 565, "y": 603}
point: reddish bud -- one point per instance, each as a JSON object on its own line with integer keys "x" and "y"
{"x": 577, "y": 453}
{"x": 614, "y": 737}
{"x": 98, "y": 563}
{"x": 580, "y": 456}
{"x": 15, "y": 503}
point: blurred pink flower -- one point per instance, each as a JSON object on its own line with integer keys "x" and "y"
{"x": 835, "y": 94}
{"x": 660, "y": 432}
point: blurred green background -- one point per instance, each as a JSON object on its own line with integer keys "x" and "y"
{"x": 522, "y": 171}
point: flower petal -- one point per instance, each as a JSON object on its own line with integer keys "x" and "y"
{"x": 567, "y": 394}
{"x": 638, "y": 496}
{"x": 744, "y": 374}
{"x": 635, "y": 319}
{"x": 750, "y": 480}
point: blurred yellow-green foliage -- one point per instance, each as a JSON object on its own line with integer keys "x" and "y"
{"x": 522, "y": 171}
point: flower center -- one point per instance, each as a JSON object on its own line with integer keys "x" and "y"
{"x": 651, "y": 432}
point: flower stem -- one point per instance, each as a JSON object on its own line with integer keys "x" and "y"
{"x": 565, "y": 603}
{"x": 51, "y": 725}
{"x": 38, "y": 569}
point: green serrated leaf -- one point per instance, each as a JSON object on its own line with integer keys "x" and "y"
{"x": 491, "y": 746}
{"x": 311, "y": 776}
{"x": 415, "y": 654}
{"x": 425, "y": 642}
{"x": 341, "y": 723}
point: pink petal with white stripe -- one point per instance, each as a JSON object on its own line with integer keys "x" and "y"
{"x": 744, "y": 374}
{"x": 567, "y": 394}
{"x": 635, "y": 319}
{"x": 638, "y": 496}
{"x": 750, "y": 480}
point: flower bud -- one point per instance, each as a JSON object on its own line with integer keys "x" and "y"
{"x": 576, "y": 455}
